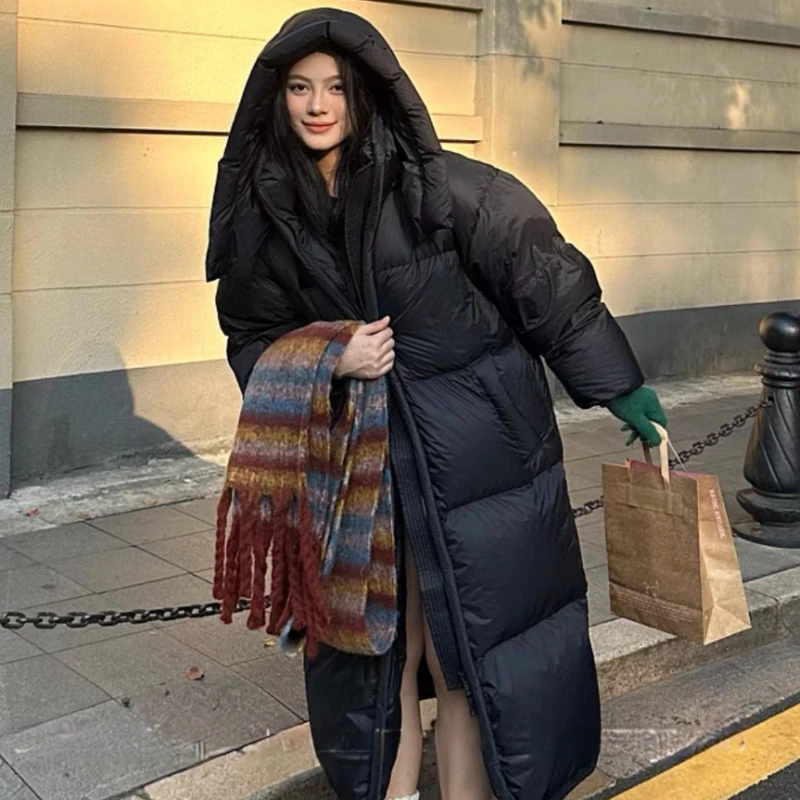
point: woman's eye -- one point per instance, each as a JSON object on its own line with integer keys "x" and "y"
{"x": 297, "y": 88}
{"x": 337, "y": 88}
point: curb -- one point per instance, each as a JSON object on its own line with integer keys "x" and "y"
{"x": 629, "y": 656}
{"x": 614, "y": 787}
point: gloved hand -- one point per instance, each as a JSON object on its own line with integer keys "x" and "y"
{"x": 638, "y": 410}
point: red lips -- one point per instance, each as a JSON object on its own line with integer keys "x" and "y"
{"x": 319, "y": 127}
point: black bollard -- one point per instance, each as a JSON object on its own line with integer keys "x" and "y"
{"x": 772, "y": 463}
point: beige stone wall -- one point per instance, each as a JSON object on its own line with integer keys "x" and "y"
{"x": 8, "y": 78}
{"x": 8, "y": 82}
{"x": 111, "y": 223}
{"x": 663, "y": 134}
{"x": 712, "y": 221}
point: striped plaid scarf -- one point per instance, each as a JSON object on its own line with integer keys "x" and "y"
{"x": 318, "y": 494}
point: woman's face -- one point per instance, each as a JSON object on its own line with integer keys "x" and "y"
{"x": 316, "y": 102}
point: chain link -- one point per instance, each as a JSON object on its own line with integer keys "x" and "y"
{"x": 47, "y": 620}
{"x": 684, "y": 456}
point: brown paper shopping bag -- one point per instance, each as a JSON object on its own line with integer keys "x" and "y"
{"x": 672, "y": 563}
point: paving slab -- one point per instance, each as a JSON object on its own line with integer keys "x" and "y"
{"x": 282, "y": 677}
{"x": 14, "y": 521}
{"x": 13, "y": 647}
{"x": 758, "y": 560}
{"x": 63, "y": 638}
{"x": 39, "y": 689}
{"x": 593, "y": 531}
{"x": 206, "y": 575}
{"x": 180, "y": 590}
{"x": 116, "y": 569}
{"x": 193, "y": 553}
{"x": 599, "y": 441}
{"x": 63, "y": 542}
{"x": 697, "y": 423}
{"x": 220, "y": 712}
{"x": 25, "y": 587}
{"x": 132, "y": 663}
{"x": 204, "y": 509}
{"x": 593, "y": 555}
{"x": 12, "y": 786}
{"x": 150, "y": 524}
{"x": 226, "y": 644}
{"x": 93, "y": 754}
{"x": 11, "y": 559}
{"x": 578, "y": 498}
{"x": 784, "y": 587}
{"x": 599, "y": 601}
{"x": 577, "y": 483}
{"x": 591, "y": 469}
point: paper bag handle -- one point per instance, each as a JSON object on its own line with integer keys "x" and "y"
{"x": 663, "y": 451}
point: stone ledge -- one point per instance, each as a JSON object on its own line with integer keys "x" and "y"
{"x": 463, "y": 5}
{"x": 603, "y": 134}
{"x": 173, "y": 116}
{"x": 630, "y": 656}
{"x": 590, "y": 12}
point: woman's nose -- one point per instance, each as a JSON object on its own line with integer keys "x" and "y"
{"x": 316, "y": 104}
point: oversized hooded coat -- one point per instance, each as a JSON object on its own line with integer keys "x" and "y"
{"x": 482, "y": 290}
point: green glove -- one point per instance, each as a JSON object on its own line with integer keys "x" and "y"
{"x": 638, "y": 411}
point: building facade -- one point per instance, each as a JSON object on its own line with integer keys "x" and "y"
{"x": 664, "y": 135}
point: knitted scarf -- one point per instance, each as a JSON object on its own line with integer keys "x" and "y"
{"x": 318, "y": 494}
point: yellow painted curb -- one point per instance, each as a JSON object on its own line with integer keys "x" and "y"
{"x": 731, "y": 766}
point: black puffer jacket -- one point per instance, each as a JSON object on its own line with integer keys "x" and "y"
{"x": 480, "y": 288}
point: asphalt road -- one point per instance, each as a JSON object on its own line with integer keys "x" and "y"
{"x": 784, "y": 785}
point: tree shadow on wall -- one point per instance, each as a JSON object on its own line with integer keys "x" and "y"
{"x": 524, "y": 23}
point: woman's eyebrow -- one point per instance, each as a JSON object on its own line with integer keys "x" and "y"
{"x": 297, "y": 77}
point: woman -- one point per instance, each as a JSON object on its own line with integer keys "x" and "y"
{"x": 335, "y": 201}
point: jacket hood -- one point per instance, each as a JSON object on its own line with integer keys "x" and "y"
{"x": 413, "y": 133}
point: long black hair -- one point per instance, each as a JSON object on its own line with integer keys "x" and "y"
{"x": 274, "y": 140}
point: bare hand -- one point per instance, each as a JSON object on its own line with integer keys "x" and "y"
{"x": 369, "y": 354}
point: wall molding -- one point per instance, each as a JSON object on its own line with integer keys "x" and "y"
{"x": 591, "y": 12}
{"x": 173, "y": 116}
{"x": 463, "y": 5}
{"x": 593, "y": 134}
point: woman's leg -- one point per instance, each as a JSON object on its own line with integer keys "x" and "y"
{"x": 462, "y": 775}
{"x": 405, "y": 775}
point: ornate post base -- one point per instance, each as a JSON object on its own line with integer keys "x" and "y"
{"x": 772, "y": 463}
{"x": 778, "y": 518}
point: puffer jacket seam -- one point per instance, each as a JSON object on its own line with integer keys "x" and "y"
{"x": 501, "y": 493}
{"x": 481, "y": 202}
{"x": 445, "y": 373}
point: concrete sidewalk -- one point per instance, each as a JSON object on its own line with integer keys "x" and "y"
{"x": 93, "y": 714}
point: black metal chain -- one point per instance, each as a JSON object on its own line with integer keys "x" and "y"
{"x": 684, "y": 456}
{"x": 47, "y": 620}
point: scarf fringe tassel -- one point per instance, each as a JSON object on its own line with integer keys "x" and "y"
{"x": 280, "y": 524}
